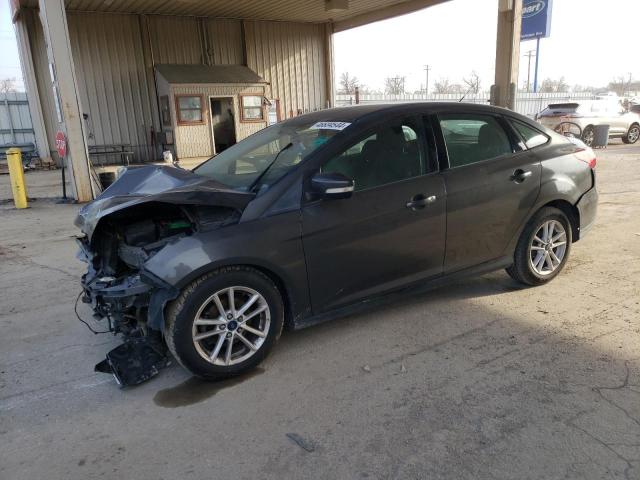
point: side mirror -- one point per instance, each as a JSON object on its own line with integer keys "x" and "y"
{"x": 332, "y": 185}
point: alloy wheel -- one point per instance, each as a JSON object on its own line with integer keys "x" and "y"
{"x": 633, "y": 134}
{"x": 548, "y": 247}
{"x": 231, "y": 325}
{"x": 588, "y": 136}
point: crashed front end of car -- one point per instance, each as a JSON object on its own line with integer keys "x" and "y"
{"x": 139, "y": 215}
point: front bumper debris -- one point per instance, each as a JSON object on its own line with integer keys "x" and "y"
{"x": 135, "y": 361}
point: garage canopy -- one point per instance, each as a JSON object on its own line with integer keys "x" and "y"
{"x": 344, "y": 14}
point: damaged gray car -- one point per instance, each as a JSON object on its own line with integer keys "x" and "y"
{"x": 320, "y": 215}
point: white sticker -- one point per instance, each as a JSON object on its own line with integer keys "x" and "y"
{"x": 329, "y": 126}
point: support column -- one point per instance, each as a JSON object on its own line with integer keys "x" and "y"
{"x": 31, "y": 85}
{"x": 328, "y": 65}
{"x": 64, "y": 83}
{"x": 507, "y": 53}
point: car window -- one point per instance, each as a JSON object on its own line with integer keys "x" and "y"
{"x": 390, "y": 154}
{"x": 472, "y": 138}
{"x": 532, "y": 137}
{"x": 266, "y": 155}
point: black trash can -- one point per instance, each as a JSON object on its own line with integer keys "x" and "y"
{"x": 600, "y": 136}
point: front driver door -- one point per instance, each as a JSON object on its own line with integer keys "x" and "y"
{"x": 390, "y": 232}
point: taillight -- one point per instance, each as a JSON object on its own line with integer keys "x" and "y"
{"x": 587, "y": 156}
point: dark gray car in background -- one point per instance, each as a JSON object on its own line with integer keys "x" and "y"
{"x": 323, "y": 213}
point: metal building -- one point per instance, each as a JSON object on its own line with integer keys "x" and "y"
{"x": 113, "y": 76}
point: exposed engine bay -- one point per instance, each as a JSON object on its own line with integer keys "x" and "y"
{"x": 119, "y": 291}
{"x": 120, "y": 237}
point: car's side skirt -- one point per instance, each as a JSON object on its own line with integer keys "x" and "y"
{"x": 408, "y": 290}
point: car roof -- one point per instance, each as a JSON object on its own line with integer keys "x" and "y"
{"x": 358, "y": 112}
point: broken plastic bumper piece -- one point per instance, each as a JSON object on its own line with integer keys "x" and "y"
{"x": 135, "y": 361}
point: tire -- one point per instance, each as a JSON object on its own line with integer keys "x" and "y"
{"x": 193, "y": 345}
{"x": 528, "y": 249}
{"x": 588, "y": 135}
{"x": 632, "y": 134}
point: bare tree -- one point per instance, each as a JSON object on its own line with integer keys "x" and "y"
{"x": 443, "y": 85}
{"x": 621, "y": 85}
{"x": 8, "y": 85}
{"x": 554, "y": 86}
{"x": 394, "y": 85}
{"x": 348, "y": 83}
{"x": 472, "y": 83}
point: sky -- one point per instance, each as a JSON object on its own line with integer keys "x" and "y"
{"x": 9, "y": 59}
{"x": 591, "y": 43}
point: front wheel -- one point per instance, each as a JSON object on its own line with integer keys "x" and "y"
{"x": 543, "y": 248}
{"x": 224, "y": 323}
{"x": 632, "y": 134}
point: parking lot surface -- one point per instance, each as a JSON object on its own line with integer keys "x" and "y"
{"x": 480, "y": 379}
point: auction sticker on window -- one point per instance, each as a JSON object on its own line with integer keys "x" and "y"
{"x": 329, "y": 126}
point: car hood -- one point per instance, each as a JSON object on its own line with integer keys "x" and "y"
{"x": 158, "y": 184}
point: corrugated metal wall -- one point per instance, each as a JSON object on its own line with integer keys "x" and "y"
{"x": 291, "y": 57}
{"x": 114, "y": 86}
{"x": 15, "y": 119}
{"x": 175, "y": 39}
{"x": 225, "y": 42}
{"x": 117, "y": 87}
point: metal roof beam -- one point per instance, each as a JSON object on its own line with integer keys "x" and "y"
{"x": 384, "y": 13}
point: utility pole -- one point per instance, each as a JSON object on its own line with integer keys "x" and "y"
{"x": 529, "y": 54}
{"x": 426, "y": 85}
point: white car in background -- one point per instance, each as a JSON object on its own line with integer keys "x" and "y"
{"x": 586, "y": 114}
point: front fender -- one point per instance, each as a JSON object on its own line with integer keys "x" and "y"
{"x": 272, "y": 244}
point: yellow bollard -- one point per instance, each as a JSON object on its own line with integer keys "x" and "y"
{"x": 14, "y": 160}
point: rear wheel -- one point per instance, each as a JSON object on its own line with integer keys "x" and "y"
{"x": 224, "y": 323}
{"x": 543, "y": 248}
{"x": 588, "y": 135}
{"x": 632, "y": 134}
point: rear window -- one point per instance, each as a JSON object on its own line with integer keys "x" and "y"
{"x": 532, "y": 138}
{"x": 560, "y": 108}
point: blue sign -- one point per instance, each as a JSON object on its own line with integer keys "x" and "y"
{"x": 536, "y": 19}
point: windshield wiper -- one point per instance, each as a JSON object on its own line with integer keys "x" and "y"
{"x": 255, "y": 182}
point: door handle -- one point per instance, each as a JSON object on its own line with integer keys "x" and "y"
{"x": 420, "y": 201}
{"x": 520, "y": 175}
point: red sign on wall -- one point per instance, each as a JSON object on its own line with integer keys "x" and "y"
{"x": 61, "y": 144}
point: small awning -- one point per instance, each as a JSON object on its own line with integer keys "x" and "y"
{"x": 209, "y": 74}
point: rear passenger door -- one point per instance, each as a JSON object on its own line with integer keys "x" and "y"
{"x": 492, "y": 183}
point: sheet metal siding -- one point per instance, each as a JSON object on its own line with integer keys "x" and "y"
{"x": 43, "y": 79}
{"x": 15, "y": 115}
{"x": 290, "y": 56}
{"x": 114, "y": 88}
{"x": 197, "y": 140}
{"x": 175, "y": 39}
{"x": 225, "y": 42}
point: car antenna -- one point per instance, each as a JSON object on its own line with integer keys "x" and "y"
{"x": 465, "y": 93}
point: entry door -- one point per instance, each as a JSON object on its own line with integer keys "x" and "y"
{"x": 389, "y": 233}
{"x": 490, "y": 189}
{"x": 223, "y": 125}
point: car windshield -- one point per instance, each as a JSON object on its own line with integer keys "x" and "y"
{"x": 260, "y": 160}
